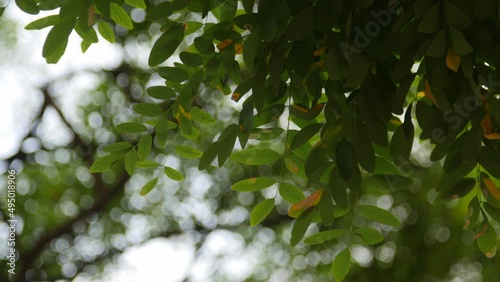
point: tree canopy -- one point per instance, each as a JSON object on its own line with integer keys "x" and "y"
{"x": 354, "y": 124}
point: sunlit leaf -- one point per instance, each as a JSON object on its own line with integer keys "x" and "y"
{"x": 256, "y": 156}
{"x": 369, "y": 235}
{"x": 148, "y": 109}
{"x": 487, "y": 240}
{"x": 149, "y": 186}
{"x": 173, "y": 174}
{"x": 119, "y": 15}
{"x": 117, "y": 146}
{"x": 147, "y": 164}
{"x": 131, "y": 127}
{"x": 43, "y": 22}
{"x": 103, "y": 163}
{"x": 131, "y": 161}
{"x": 106, "y": 31}
{"x": 324, "y": 236}
{"x": 378, "y": 214}
{"x": 261, "y": 211}
{"x": 188, "y": 152}
{"x": 253, "y": 184}
{"x": 201, "y": 116}
{"x": 341, "y": 265}
{"x": 290, "y": 193}
{"x": 136, "y": 3}
{"x": 161, "y": 92}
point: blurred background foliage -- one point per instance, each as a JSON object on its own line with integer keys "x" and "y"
{"x": 75, "y": 225}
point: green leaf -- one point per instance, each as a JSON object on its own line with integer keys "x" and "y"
{"x": 103, "y": 163}
{"x": 192, "y": 27}
{"x": 188, "y": 152}
{"x": 430, "y": 20}
{"x": 118, "y": 146}
{"x": 173, "y": 174}
{"x": 148, "y": 109}
{"x": 147, "y": 164}
{"x": 149, "y": 186}
{"x": 166, "y": 45}
{"x": 493, "y": 212}
{"x": 369, "y": 235}
{"x": 300, "y": 26}
{"x": 106, "y": 31}
{"x": 400, "y": 147}
{"x": 473, "y": 212}
{"x": 173, "y": 74}
{"x": 326, "y": 208}
{"x": 144, "y": 147}
{"x": 325, "y": 236}
{"x": 161, "y": 130}
{"x": 438, "y": 45}
{"x": 121, "y": 17}
{"x": 191, "y": 59}
{"x": 378, "y": 214}
{"x": 131, "y": 161}
{"x": 300, "y": 227}
{"x": 341, "y": 265}
{"x": 88, "y": 35}
{"x": 305, "y": 113}
{"x": 487, "y": 240}
{"x": 290, "y": 193}
{"x": 459, "y": 45}
{"x": 344, "y": 159}
{"x": 103, "y": 7}
{"x": 250, "y": 47}
{"x": 201, "y": 116}
{"x": 137, "y": 3}
{"x": 184, "y": 119}
{"x": 208, "y": 156}
{"x": 204, "y": 46}
{"x": 226, "y": 142}
{"x": 43, "y": 22}
{"x": 265, "y": 134}
{"x": 28, "y": 6}
{"x": 455, "y": 16}
{"x": 253, "y": 184}
{"x": 261, "y": 211}
{"x": 304, "y": 135}
{"x": 161, "y": 92}
{"x": 256, "y": 156}
{"x": 358, "y": 69}
{"x": 131, "y": 127}
{"x": 460, "y": 189}
{"x": 56, "y": 41}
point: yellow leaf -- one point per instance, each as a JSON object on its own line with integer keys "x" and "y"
{"x": 184, "y": 113}
{"x": 235, "y": 96}
{"x": 239, "y": 48}
{"x": 487, "y": 128}
{"x": 319, "y": 52}
{"x": 223, "y": 44}
{"x": 452, "y": 61}
{"x": 491, "y": 187}
{"x": 300, "y": 108}
{"x": 297, "y": 209}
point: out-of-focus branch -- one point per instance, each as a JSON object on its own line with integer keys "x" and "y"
{"x": 28, "y": 257}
